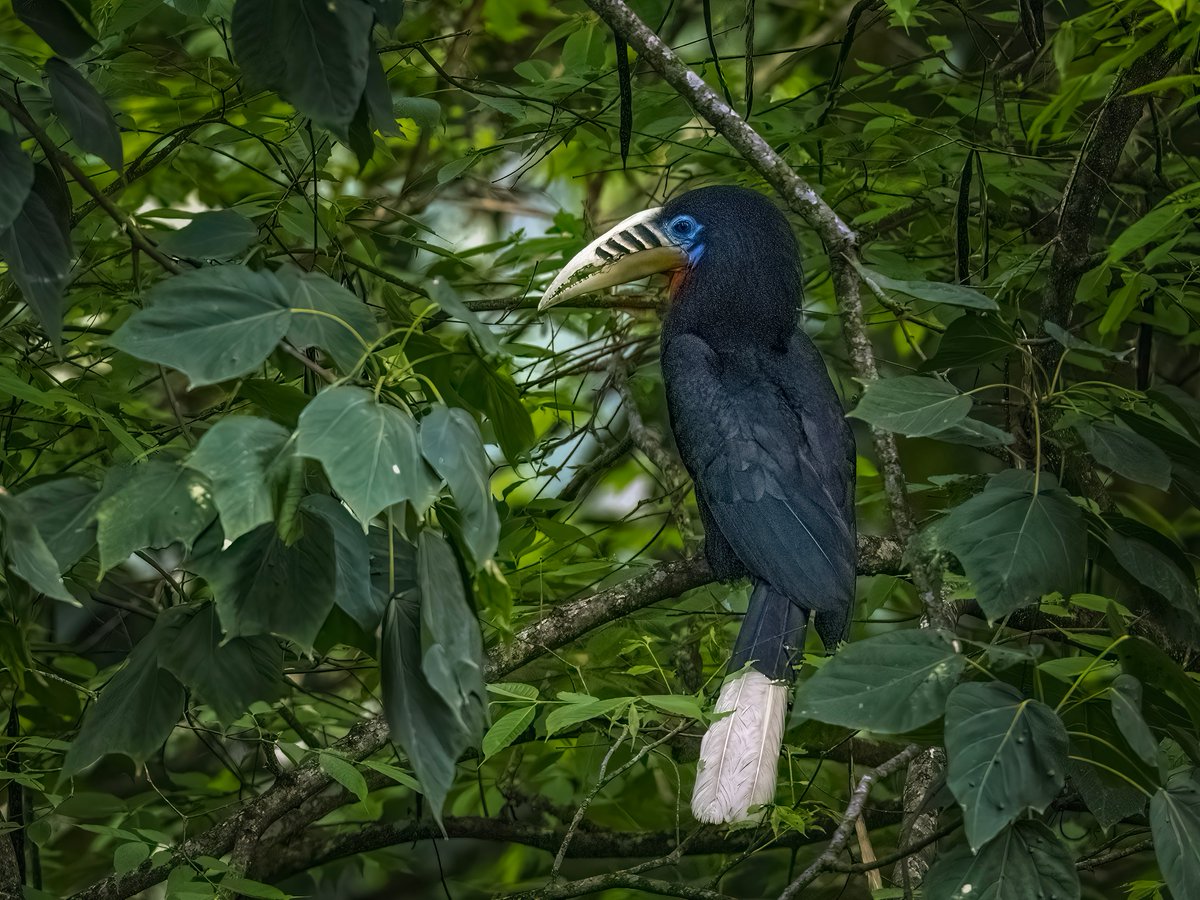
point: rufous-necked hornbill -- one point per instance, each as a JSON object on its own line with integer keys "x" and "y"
{"x": 762, "y": 433}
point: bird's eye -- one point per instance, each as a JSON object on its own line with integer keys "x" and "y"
{"x": 683, "y": 226}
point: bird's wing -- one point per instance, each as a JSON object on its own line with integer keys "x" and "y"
{"x": 770, "y": 466}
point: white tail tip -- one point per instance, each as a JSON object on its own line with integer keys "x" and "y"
{"x": 739, "y": 756}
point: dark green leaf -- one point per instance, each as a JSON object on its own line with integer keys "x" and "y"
{"x": 492, "y": 392}
{"x": 1071, "y": 342}
{"x": 1006, "y": 754}
{"x": 1151, "y": 666}
{"x": 54, "y": 24}
{"x": 154, "y": 504}
{"x": 212, "y": 324}
{"x": 228, "y": 675}
{"x": 369, "y": 451}
{"x": 1127, "y": 453}
{"x": 452, "y": 659}
{"x": 434, "y": 700}
{"x": 1175, "y": 826}
{"x": 16, "y": 178}
{"x": 352, "y": 586}
{"x": 974, "y": 433}
{"x": 912, "y": 405}
{"x": 972, "y": 341}
{"x": 326, "y": 315}
{"x": 932, "y": 291}
{"x": 221, "y": 234}
{"x": 889, "y": 684}
{"x": 264, "y": 586}
{"x": 345, "y": 774}
{"x": 84, "y": 113}
{"x": 1157, "y": 571}
{"x": 246, "y": 459}
{"x": 64, "y": 511}
{"x": 37, "y": 248}
{"x": 379, "y": 99}
{"x": 444, "y": 295}
{"x": 1126, "y": 696}
{"x": 1015, "y": 544}
{"x": 390, "y": 578}
{"x": 26, "y": 551}
{"x": 314, "y": 53}
{"x": 425, "y": 111}
{"x": 1025, "y": 861}
{"x": 451, "y": 443}
{"x": 388, "y": 12}
{"x": 1107, "y": 799}
{"x": 135, "y": 714}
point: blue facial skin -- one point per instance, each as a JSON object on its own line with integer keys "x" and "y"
{"x": 685, "y": 232}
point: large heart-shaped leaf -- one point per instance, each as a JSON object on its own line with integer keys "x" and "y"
{"x": 369, "y": 451}
{"x": 889, "y": 684}
{"x": 212, "y": 324}
{"x": 220, "y": 234}
{"x": 931, "y": 291}
{"x": 971, "y": 341}
{"x": 1018, "y": 539}
{"x": 264, "y": 586}
{"x": 1006, "y": 754}
{"x": 64, "y": 510}
{"x": 155, "y": 504}
{"x": 1175, "y": 826}
{"x": 451, "y": 443}
{"x": 326, "y": 315}
{"x": 352, "y": 582}
{"x": 314, "y": 53}
{"x": 1028, "y": 860}
{"x": 912, "y": 405}
{"x": 1127, "y": 453}
{"x": 245, "y": 459}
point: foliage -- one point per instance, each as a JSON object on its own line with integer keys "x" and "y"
{"x": 281, "y": 424}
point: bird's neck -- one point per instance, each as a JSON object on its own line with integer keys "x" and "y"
{"x": 733, "y": 303}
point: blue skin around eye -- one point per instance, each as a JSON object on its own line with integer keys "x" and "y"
{"x": 685, "y": 231}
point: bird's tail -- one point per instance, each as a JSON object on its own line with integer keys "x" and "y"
{"x": 739, "y": 755}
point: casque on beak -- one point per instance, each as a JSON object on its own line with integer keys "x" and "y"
{"x": 635, "y": 248}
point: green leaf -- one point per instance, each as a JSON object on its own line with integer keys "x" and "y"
{"x": 1005, "y": 754}
{"x": 912, "y": 405}
{"x": 1120, "y": 448}
{"x": 26, "y": 551}
{"x": 53, "y": 22}
{"x": 1151, "y": 666}
{"x": 974, "y": 433}
{"x": 450, "y": 442}
{"x": 228, "y": 675}
{"x": 424, "y": 111}
{"x": 135, "y": 714}
{"x": 369, "y": 451}
{"x": 507, "y": 729}
{"x": 388, "y": 12}
{"x": 489, "y": 391}
{"x": 1071, "y": 342}
{"x": 1152, "y": 226}
{"x": 432, "y": 664}
{"x": 84, "y": 113}
{"x": 683, "y": 705}
{"x": 1175, "y": 826}
{"x": 16, "y": 178}
{"x": 312, "y": 52}
{"x": 345, "y": 774}
{"x": 264, "y": 586}
{"x": 446, "y": 297}
{"x": 379, "y": 99}
{"x": 246, "y": 460}
{"x": 212, "y": 324}
{"x": 889, "y": 684}
{"x": 932, "y": 291}
{"x": 1108, "y": 799}
{"x": 221, "y": 234}
{"x": 396, "y": 774}
{"x": 575, "y": 713}
{"x": 37, "y": 248}
{"x": 128, "y": 857}
{"x": 352, "y": 583}
{"x": 64, "y": 510}
{"x": 235, "y": 885}
{"x": 393, "y": 567}
{"x": 326, "y": 315}
{"x": 155, "y": 504}
{"x": 1125, "y": 693}
{"x": 452, "y": 659}
{"x": 1027, "y": 860}
{"x": 1157, "y": 571}
{"x": 1016, "y": 544}
{"x": 972, "y": 341}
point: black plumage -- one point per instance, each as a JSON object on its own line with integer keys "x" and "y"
{"x": 760, "y": 427}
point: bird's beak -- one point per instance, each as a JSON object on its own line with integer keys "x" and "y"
{"x": 633, "y": 249}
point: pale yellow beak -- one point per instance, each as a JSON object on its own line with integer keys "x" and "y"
{"x": 631, "y": 250}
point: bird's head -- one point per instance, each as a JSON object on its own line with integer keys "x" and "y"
{"x": 729, "y": 249}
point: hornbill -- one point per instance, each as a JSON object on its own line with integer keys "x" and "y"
{"x": 762, "y": 433}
